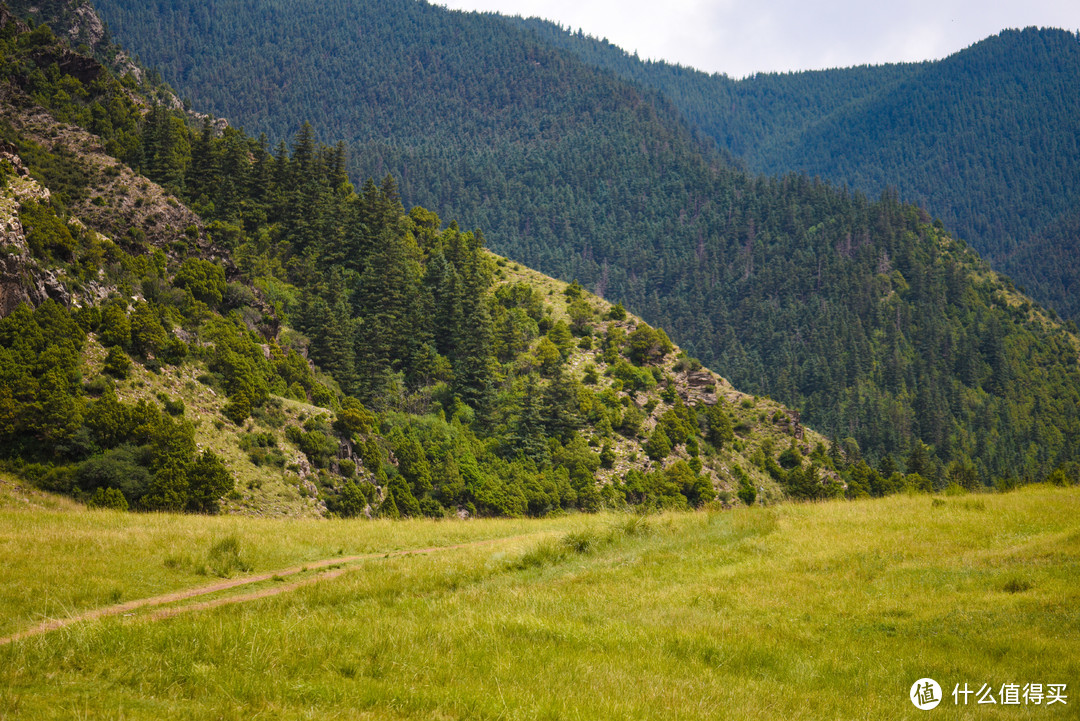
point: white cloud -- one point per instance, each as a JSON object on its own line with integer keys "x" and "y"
{"x": 740, "y": 38}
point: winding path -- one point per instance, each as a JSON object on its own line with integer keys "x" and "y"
{"x": 165, "y": 599}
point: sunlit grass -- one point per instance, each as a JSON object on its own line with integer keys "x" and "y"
{"x": 798, "y": 611}
{"x": 60, "y": 558}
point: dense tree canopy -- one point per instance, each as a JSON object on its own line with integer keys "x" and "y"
{"x": 863, "y": 313}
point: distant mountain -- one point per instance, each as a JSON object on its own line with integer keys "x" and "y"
{"x": 867, "y": 315}
{"x": 987, "y": 139}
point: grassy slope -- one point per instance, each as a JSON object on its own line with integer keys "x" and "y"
{"x": 260, "y": 490}
{"x": 796, "y": 611}
{"x": 756, "y": 413}
{"x": 291, "y": 491}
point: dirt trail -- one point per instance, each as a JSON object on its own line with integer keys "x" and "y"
{"x": 164, "y": 599}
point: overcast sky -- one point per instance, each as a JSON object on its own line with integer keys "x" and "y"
{"x": 741, "y": 37}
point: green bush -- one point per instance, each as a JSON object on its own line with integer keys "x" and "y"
{"x": 350, "y": 501}
{"x": 148, "y": 337}
{"x": 172, "y": 407}
{"x": 203, "y": 279}
{"x": 115, "y": 327}
{"x": 238, "y": 409}
{"x": 607, "y": 455}
{"x": 658, "y": 446}
{"x": 316, "y": 445}
{"x": 208, "y": 481}
{"x": 747, "y": 493}
{"x": 120, "y": 468}
{"x": 790, "y": 458}
{"x": 46, "y": 234}
{"x": 108, "y": 498}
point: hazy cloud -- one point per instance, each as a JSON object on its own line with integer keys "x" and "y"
{"x": 740, "y": 38}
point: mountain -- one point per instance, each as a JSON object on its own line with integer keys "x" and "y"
{"x": 985, "y": 139}
{"x": 887, "y": 332}
{"x": 298, "y": 347}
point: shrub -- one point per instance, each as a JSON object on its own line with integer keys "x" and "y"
{"x": 203, "y": 279}
{"x": 238, "y": 408}
{"x": 634, "y": 379}
{"x": 580, "y": 314}
{"x": 350, "y": 501}
{"x": 669, "y": 393}
{"x": 631, "y": 422}
{"x": 115, "y": 328}
{"x": 353, "y": 419}
{"x": 746, "y": 493}
{"x": 658, "y": 447}
{"x": 237, "y": 295}
{"x": 167, "y": 489}
{"x": 174, "y": 351}
{"x": 118, "y": 468}
{"x": 98, "y": 386}
{"x": 790, "y": 458}
{"x": 648, "y": 345}
{"x": 108, "y": 498}
{"x": 316, "y": 445}
{"x": 591, "y": 377}
{"x": 208, "y": 480}
{"x": 148, "y": 337}
{"x": 173, "y": 408}
{"x": 45, "y": 233}
{"x": 607, "y": 455}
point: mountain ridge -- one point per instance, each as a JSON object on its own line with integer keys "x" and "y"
{"x": 866, "y": 315}
{"x": 179, "y": 381}
{"x": 981, "y": 138}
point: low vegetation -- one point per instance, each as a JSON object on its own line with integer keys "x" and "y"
{"x": 827, "y": 610}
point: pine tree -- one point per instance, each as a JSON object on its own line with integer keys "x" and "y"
{"x": 203, "y": 173}
{"x": 527, "y": 431}
{"x": 560, "y": 407}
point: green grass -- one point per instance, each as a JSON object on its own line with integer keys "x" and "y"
{"x": 796, "y": 611}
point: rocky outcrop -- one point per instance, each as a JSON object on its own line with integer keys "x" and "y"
{"x": 7, "y": 17}
{"x": 20, "y": 279}
{"x": 86, "y": 26}
{"x": 697, "y": 387}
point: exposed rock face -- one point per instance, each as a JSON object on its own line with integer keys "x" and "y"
{"x": 15, "y": 285}
{"x": 86, "y": 26}
{"x": 85, "y": 70}
{"x": 6, "y": 17}
{"x": 19, "y": 277}
{"x": 126, "y": 66}
{"x": 697, "y": 386}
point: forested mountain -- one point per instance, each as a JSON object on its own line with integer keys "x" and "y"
{"x": 298, "y": 346}
{"x": 986, "y": 139}
{"x": 866, "y": 314}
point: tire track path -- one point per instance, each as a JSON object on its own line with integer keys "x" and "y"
{"x": 167, "y": 598}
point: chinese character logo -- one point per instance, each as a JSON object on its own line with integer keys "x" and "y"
{"x": 926, "y": 694}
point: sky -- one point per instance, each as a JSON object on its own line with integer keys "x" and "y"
{"x": 741, "y": 37}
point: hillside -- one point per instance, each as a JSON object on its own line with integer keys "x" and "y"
{"x": 984, "y": 139}
{"x": 323, "y": 351}
{"x": 868, "y": 316}
{"x": 802, "y": 611}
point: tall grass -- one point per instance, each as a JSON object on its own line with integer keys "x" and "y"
{"x": 60, "y": 559}
{"x": 803, "y": 612}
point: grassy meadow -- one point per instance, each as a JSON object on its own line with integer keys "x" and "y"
{"x": 796, "y": 611}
